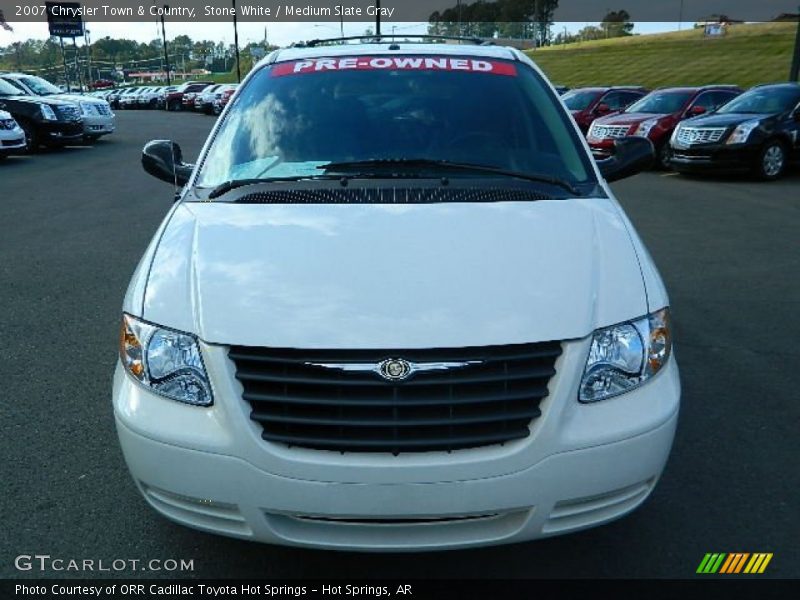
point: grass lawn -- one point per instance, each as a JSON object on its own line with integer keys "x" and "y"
{"x": 747, "y": 55}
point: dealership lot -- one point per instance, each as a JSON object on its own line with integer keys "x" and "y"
{"x": 75, "y": 221}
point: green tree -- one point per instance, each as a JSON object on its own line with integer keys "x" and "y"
{"x": 617, "y": 24}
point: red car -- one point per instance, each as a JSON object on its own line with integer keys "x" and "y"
{"x": 587, "y": 104}
{"x": 174, "y": 100}
{"x": 224, "y": 97}
{"x": 656, "y": 115}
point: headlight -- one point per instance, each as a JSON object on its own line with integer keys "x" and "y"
{"x": 625, "y": 356}
{"x": 742, "y": 132}
{"x": 645, "y": 126}
{"x": 164, "y": 360}
{"x": 48, "y": 114}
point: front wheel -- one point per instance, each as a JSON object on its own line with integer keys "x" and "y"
{"x": 771, "y": 161}
{"x": 663, "y": 154}
{"x": 32, "y": 138}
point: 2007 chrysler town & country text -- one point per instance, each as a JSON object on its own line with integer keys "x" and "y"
{"x": 395, "y": 307}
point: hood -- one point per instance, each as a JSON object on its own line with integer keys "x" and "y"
{"x": 75, "y": 99}
{"x": 36, "y": 100}
{"x": 394, "y": 276}
{"x": 628, "y": 118}
{"x": 724, "y": 120}
{"x": 5, "y": 115}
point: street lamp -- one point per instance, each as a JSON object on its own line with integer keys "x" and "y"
{"x": 164, "y": 41}
{"x": 236, "y": 43}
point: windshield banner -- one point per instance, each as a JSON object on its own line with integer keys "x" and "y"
{"x": 394, "y": 63}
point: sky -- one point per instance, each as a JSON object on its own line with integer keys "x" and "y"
{"x": 280, "y": 34}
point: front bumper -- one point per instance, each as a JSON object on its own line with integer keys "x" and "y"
{"x": 96, "y": 125}
{"x": 713, "y": 157}
{"x": 11, "y": 141}
{"x": 61, "y": 132}
{"x": 582, "y": 465}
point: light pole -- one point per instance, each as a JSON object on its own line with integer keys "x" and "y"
{"x": 88, "y": 44}
{"x": 164, "y": 41}
{"x": 236, "y": 43}
{"x": 794, "y": 73}
{"x": 378, "y": 17}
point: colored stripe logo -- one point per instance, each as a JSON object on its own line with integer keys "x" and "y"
{"x": 734, "y": 563}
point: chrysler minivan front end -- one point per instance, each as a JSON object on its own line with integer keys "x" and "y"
{"x": 395, "y": 308}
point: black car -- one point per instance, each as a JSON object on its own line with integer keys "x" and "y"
{"x": 758, "y": 132}
{"x": 44, "y": 120}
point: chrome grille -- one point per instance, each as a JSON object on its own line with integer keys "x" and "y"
{"x": 696, "y": 135}
{"x": 103, "y": 109}
{"x": 306, "y": 398}
{"x": 68, "y": 112}
{"x": 603, "y": 132}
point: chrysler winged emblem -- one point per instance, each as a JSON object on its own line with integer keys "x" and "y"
{"x": 395, "y": 369}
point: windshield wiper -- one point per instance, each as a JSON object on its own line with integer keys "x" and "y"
{"x": 446, "y": 164}
{"x": 232, "y": 184}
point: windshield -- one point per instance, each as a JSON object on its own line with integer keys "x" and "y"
{"x": 293, "y": 118}
{"x": 6, "y": 89}
{"x": 660, "y": 103}
{"x": 579, "y": 100}
{"x": 39, "y": 86}
{"x": 763, "y": 100}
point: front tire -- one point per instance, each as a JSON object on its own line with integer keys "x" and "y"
{"x": 771, "y": 161}
{"x": 33, "y": 140}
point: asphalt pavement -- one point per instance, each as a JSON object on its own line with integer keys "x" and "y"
{"x": 74, "y": 223}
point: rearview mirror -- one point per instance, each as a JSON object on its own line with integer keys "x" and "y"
{"x": 631, "y": 156}
{"x": 163, "y": 159}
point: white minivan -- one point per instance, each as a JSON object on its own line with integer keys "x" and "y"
{"x": 395, "y": 307}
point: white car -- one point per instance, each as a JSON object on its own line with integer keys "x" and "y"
{"x": 98, "y": 118}
{"x": 395, "y": 307}
{"x": 12, "y": 137}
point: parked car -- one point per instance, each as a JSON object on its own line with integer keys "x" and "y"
{"x": 129, "y": 98}
{"x": 44, "y": 120}
{"x": 12, "y": 138}
{"x": 163, "y": 93}
{"x": 589, "y": 103}
{"x": 98, "y": 118}
{"x": 174, "y": 100}
{"x": 223, "y": 98}
{"x": 656, "y": 115}
{"x": 204, "y": 101}
{"x": 113, "y": 98}
{"x": 148, "y": 97}
{"x": 758, "y": 132}
{"x": 395, "y": 307}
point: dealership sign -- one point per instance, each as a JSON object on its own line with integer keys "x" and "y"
{"x": 64, "y": 19}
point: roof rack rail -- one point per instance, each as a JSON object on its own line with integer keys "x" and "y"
{"x": 376, "y": 39}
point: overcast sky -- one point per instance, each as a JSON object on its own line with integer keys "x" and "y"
{"x": 280, "y": 34}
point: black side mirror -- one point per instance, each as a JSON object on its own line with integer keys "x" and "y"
{"x": 631, "y": 156}
{"x": 163, "y": 159}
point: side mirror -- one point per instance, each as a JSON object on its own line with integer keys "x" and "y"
{"x": 602, "y": 108}
{"x": 631, "y": 156}
{"x": 697, "y": 110}
{"x": 163, "y": 159}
